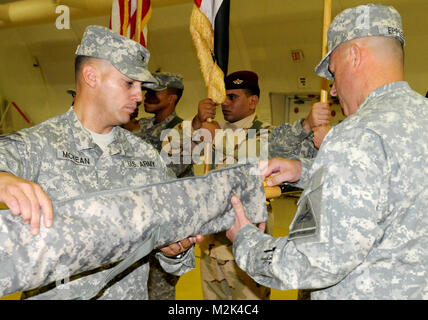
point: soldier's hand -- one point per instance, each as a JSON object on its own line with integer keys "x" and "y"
{"x": 206, "y": 110}
{"x": 280, "y": 170}
{"x": 318, "y": 116}
{"x": 211, "y": 127}
{"x": 240, "y": 219}
{"x": 27, "y": 199}
{"x": 181, "y": 246}
{"x": 319, "y": 135}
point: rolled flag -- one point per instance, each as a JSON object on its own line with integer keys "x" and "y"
{"x": 209, "y": 27}
{"x": 95, "y": 229}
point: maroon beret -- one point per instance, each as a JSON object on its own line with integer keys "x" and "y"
{"x": 242, "y": 80}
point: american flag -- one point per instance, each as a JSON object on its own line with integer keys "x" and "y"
{"x": 125, "y": 15}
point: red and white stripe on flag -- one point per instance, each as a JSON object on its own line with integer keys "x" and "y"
{"x": 209, "y": 8}
{"x": 125, "y": 15}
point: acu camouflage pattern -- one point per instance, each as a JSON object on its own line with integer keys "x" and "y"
{"x": 161, "y": 285}
{"x": 221, "y": 278}
{"x": 126, "y": 55}
{"x": 153, "y": 133}
{"x": 167, "y": 80}
{"x": 62, "y": 157}
{"x": 291, "y": 141}
{"x": 103, "y": 227}
{"x": 358, "y": 22}
{"x": 363, "y": 217}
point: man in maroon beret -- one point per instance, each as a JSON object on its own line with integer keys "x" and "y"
{"x": 221, "y": 278}
{"x": 242, "y": 97}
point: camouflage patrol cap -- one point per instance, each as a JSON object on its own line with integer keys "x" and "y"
{"x": 167, "y": 80}
{"x": 126, "y": 55}
{"x": 358, "y": 22}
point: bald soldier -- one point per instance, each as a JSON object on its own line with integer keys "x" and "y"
{"x": 360, "y": 231}
{"x": 85, "y": 150}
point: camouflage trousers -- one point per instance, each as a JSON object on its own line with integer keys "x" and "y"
{"x": 161, "y": 284}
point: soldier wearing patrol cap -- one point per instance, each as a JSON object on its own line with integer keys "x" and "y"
{"x": 85, "y": 150}
{"x": 360, "y": 231}
{"x": 162, "y": 101}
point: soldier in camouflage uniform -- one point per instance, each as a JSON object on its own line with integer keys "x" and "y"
{"x": 85, "y": 150}
{"x": 125, "y": 223}
{"x": 162, "y": 101}
{"x": 296, "y": 140}
{"x": 360, "y": 231}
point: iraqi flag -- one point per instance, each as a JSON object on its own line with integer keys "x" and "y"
{"x": 209, "y": 27}
{"x": 129, "y": 18}
{"x": 218, "y": 12}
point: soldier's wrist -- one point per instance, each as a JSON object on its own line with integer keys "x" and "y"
{"x": 196, "y": 123}
{"x": 178, "y": 256}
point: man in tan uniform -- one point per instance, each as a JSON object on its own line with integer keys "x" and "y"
{"x": 221, "y": 277}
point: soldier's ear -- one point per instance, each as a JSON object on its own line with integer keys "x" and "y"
{"x": 89, "y": 75}
{"x": 356, "y": 55}
{"x": 254, "y": 100}
{"x": 173, "y": 98}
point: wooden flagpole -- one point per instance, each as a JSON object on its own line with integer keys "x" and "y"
{"x": 125, "y": 19}
{"x": 275, "y": 192}
{"x": 326, "y": 25}
{"x": 139, "y": 16}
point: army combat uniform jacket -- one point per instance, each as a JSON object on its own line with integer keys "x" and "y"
{"x": 151, "y": 132}
{"x": 291, "y": 141}
{"x": 222, "y": 248}
{"x": 61, "y": 156}
{"x": 360, "y": 231}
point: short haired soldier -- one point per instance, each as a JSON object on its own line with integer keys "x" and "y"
{"x": 162, "y": 100}
{"x": 221, "y": 279}
{"x": 360, "y": 231}
{"x": 85, "y": 150}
